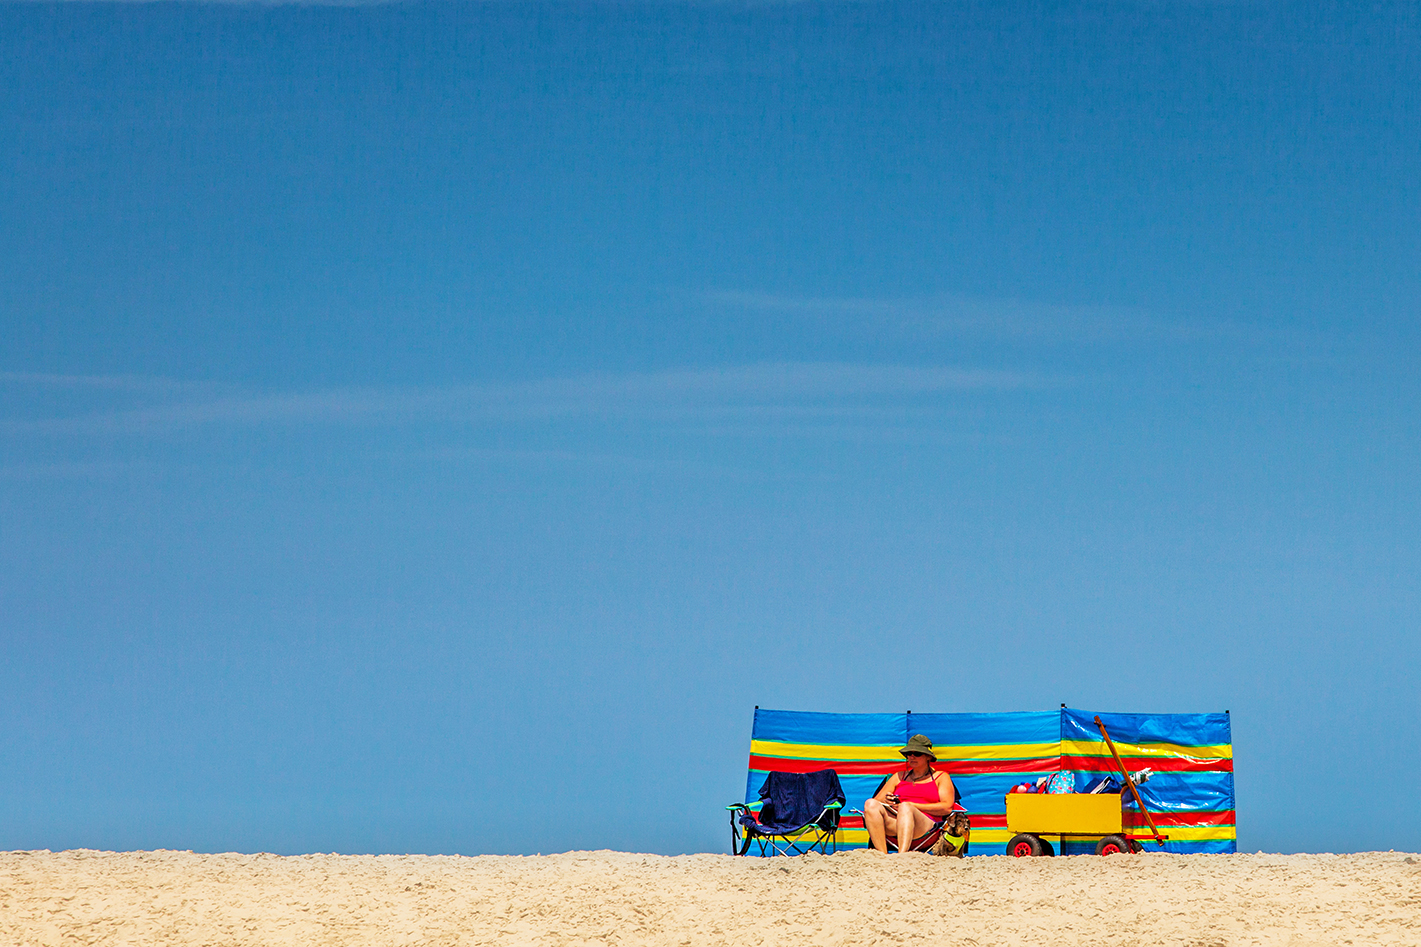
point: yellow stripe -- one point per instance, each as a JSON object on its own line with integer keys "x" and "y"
{"x": 875, "y": 754}
{"x": 814, "y": 751}
{"x": 1197, "y": 833}
{"x": 1222, "y": 751}
{"x": 1004, "y": 751}
{"x": 1176, "y": 833}
{"x": 991, "y": 836}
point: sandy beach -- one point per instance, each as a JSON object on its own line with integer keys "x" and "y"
{"x": 179, "y": 898}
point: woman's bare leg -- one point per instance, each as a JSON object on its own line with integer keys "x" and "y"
{"x": 911, "y": 824}
{"x": 875, "y": 819}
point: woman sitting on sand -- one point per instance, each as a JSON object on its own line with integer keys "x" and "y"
{"x": 911, "y": 803}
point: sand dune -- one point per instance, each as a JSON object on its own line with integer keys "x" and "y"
{"x": 179, "y": 898}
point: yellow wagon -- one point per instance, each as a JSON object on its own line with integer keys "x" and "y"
{"x": 1066, "y": 815}
{"x": 1075, "y": 815}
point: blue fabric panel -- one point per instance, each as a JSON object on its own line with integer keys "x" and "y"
{"x": 788, "y": 726}
{"x": 1180, "y": 792}
{"x": 985, "y": 793}
{"x": 1185, "y": 729}
{"x": 981, "y": 792}
{"x": 1212, "y": 846}
{"x": 1168, "y": 791}
{"x": 1087, "y": 847}
{"x": 979, "y": 729}
{"x": 858, "y": 789}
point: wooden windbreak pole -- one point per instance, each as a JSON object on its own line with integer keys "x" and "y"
{"x": 1159, "y": 839}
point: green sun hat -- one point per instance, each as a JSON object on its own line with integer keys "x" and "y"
{"x": 918, "y": 743}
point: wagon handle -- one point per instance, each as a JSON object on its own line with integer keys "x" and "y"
{"x": 1159, "y": 839}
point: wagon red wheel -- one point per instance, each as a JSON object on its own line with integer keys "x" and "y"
{"x": 1113, "y": 845}
{"x": 1025, "y": 844}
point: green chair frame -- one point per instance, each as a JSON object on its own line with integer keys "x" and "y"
{"x": 819, "y": 835}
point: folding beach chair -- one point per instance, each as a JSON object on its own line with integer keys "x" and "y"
{"x": 798, "y": 813}
{"x": 929, "y": 841}
{"x": 926, "y": 843}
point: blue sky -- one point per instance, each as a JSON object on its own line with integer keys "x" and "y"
{"x": 417, "y": 415}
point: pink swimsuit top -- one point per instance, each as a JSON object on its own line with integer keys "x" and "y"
{"x": 923, "y": 793}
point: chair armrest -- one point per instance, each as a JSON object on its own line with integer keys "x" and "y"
{"x": 740, "y": 805}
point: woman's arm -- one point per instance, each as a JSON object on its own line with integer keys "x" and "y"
{"x": 884, "y": 794}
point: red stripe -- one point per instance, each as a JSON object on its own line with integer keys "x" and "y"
{"x": 1166, "y": 764}
{"x": 988, "y": 820}
{"x": 979, "y": 821}
{"x": 1136, "y": 820}
{"x": 1044, "y": 764}
{"x": 777, "y": 764}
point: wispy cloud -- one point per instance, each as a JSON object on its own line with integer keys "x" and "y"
{"x": 73, "y": 470}
{"x": 146, "y": 384}
{"x": 762, "y": 393}
{"x": 1005, "y": 319}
